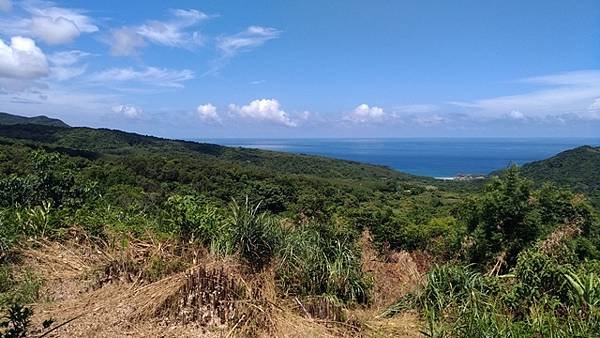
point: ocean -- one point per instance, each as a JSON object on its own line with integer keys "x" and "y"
{"x": 435, "y": 157}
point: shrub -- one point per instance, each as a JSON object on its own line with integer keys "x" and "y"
{"x": 585, "y": 289}
{"x": 539, "y": 278}
{"x": 22, "y": 290}
{"x": 17, "y": 321}
{"x": 317, "y": 260}
{"x": 9, "y": 233}
{"x": 51, "y": 178}
{"x": 253, "y": 235}
{"x": 449, "y": 285}
{"x": 501, "y": 220}
{"x": 540, "y": 298}
{"x": 510, "y": 215}
{"x": 441, "y": 236}
{"x": 194, "y": 220}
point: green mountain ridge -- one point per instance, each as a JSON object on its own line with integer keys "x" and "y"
{"x": 92, "y": 142}
{"x": 10, "y": 119}
{"x": 577, "y": 168}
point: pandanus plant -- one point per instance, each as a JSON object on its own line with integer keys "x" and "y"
{"x": 585, "y": 287}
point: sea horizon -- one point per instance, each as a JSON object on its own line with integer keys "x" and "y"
{"x": 439, "y": 157}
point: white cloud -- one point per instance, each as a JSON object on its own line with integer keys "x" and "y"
{"x": 595, "y": 106}
{"x": 67, "y": 58}
{"x": 364, "y": 113}
{"x": 57, "y": 99}
{"x": 208, "y": 113}
{"x": 22, "y": 59}
{"x": 579, "y": 77}
{"x": 152, "y": 76}
{"x": 594, "y": 109}
{"x": 516, "y": 115}
{"x": 64, "y": 65}
{"x": 415, "y": 108}
{"x": 430, "y": 119}
{"x": 125, "y": 41}
{"x": 66, "y": 73}
{"x": 5, "y": 5}
{"x": 244, "y": 41}
{"x": 56, "y": 25}
{"x": 174, "y": 32}
{"x": 252, "y": 37}
{"x": 128, "y": 111}
{"x": 569, "y": 93}
{"x": 264, "y": 110}
{"x": 54, "y": 31}
{"x": 53, "y": 25}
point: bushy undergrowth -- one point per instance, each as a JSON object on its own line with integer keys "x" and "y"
{"x": 254, "y": 235}
{"x": 522, "y": 260}
{"x": 311, "y": 259}
{"x": 511, "y": 215}
{"x": 526, "y": 266}
{"x": 21, "y": 289}
{"x": 315, "y": 259}
{"x": 538, "y": 298}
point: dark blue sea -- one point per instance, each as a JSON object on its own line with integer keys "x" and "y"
{"x": 436, "y": 157}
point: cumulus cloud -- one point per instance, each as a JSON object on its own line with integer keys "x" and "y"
{"x": 595, "y": 106}
{"x": 516, "y": 115}
{"x": 594, "y": 109}
{"x": 364, "y": 113}
{"x": 56, "y": 25}
{"x": 54, "y": 31}
{"x": 5, "y": 5}
{"x": 252, "y": 37}
{"x": 128, "y": 111}
{"x": 174, "y": 32}
{"x": 264, "y": 110}
{"x": 152, "y": 76}
{"x": 22, "y": 59}
{"x": 53, "y": 25}
{"x": 208, "y": 113}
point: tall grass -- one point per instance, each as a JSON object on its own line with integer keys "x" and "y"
{"x": 316, "y": 261}
{"x": 458, "y": 302}
{"x": 252, "y": 234}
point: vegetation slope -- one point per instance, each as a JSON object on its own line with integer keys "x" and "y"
{"x": 577, "y": 168}
{"x": 164, "y": 237}
{"x": 9, "y": 119}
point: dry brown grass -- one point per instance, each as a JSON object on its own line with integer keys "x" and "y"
{"x": 558, "y": 238}
{"x": 393, "y": 275}
{"x": 212, "y": 297}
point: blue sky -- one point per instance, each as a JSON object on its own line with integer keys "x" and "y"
{"x": 206, "y": 69}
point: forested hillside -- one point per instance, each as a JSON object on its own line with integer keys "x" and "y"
{"x": 577, "y": 168}
{"x": 9, "y": 119}
{"x": 165, "y": 237}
